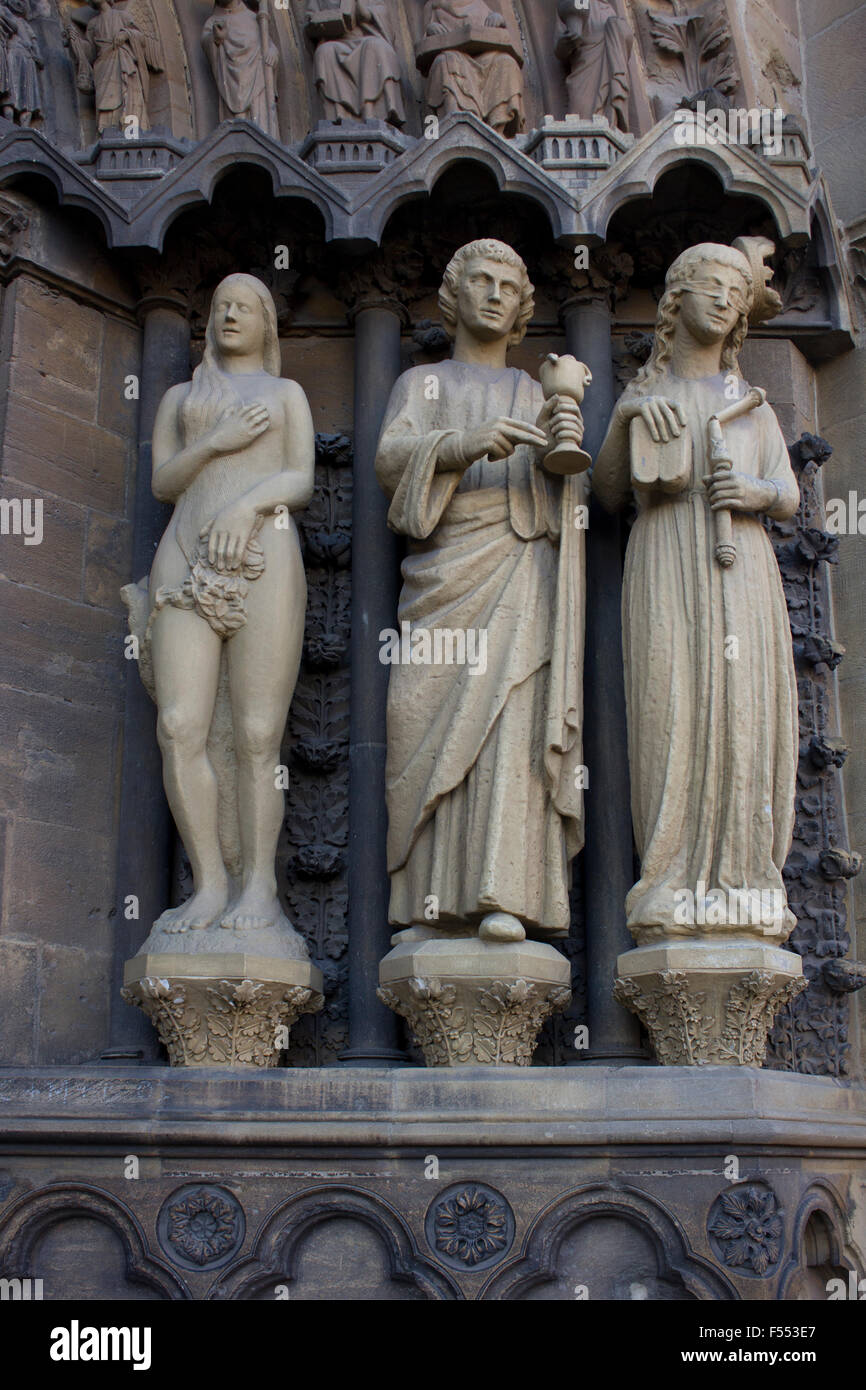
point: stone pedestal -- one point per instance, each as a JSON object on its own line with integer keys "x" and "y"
{"x": 470, "y": 1002}
{"x": 222, "y": 1009}
{"x": 708, "y": 1002}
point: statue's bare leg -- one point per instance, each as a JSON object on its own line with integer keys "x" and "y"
{"x": 186, "y": 664}
{"x": 264, "y": 657}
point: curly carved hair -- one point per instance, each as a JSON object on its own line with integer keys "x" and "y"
{"x": 489, "y": 250}
{"x": 682, "y": 272}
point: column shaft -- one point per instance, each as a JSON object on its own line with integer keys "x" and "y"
{"x": 608, "y": 866}
{"x": 373, "y": 1029}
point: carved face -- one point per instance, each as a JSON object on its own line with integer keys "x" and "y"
{"x": 488, "y": 301}
{"x": 239, "y": 324}
{"x": 712, "y": 303}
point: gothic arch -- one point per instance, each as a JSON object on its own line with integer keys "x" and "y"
{"x": 26, "y": 1223}
{"x": 537, "y": 1263}
{"x": 275, "y": 1254}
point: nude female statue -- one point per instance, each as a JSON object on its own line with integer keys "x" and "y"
{"x": 234, "y": 450}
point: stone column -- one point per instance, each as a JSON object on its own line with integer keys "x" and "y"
{"x": 373, "y": 1029}
{"x": 614, "y": 1035}
{"x": 145, "y": 830}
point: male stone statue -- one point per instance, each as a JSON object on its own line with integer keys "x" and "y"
{"x": 233, "y": 450}
{"x": 596, "y": 43}
{"x": 122, "y": 48}
{"x": 358, "y": 74}
{"x": 20, "y": 64}
{"x": 483, "y": 785}
{"x": 486, "y": 84}
{"x": 242, "y": 57}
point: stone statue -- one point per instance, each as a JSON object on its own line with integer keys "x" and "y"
{"x": 484, "y": 804}
{"x": 121, "y": 49}
{"x": 596, "y": 45}
{"x": 472, "y": 71}
{"x": 20, "y": 64}
{"x": 243, "y": 57}
{"x": 234, "y": 451}
{"x": 709, "y": 674}
{"x": 358, "y": 72}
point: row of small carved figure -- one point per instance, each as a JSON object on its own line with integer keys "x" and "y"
{"x": 471, "y": 53}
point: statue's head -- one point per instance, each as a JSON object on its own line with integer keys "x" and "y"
{"x": 709, "y": 289}
{"x": 21, "y": 7}
{"x": 243, "y": 321}
{"x": 487, "y": 289}
{"x": 712, "y": 292}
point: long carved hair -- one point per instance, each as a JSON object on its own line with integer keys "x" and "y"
{"x": 488, "y": 250}
{"x": 684, "y": 270}
{"x": 212, "y": 390}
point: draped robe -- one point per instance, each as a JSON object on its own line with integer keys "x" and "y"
{"x": 598, "y": 84}
{"x": 488, "y": 85}
{"x": 361, "y": 72}
{"x": 484, "y": 801}
{"x": 712, "y": 726}
{"x": 120, "y": 68}
{"x": 238, "y": 66}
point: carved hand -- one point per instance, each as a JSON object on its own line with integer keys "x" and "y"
{"x": 272, "y": 57}
{"x": 499, "y": 438}
{"x": 737, "y": 492}
{"x": 560, "y": 417}
{"x": 239, "y": 427}
{"x": 494, "y": 21}
{"x": 664, "y": 419}
{"x": 230, "y": 534}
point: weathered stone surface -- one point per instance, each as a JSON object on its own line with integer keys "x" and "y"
{"x": 469, "y": 1001}
{"x": 225, "y": 1008}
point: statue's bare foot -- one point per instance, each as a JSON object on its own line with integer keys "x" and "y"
{"x": 501, "y": 926}
{"x": 198, "y": 912}
{"x": 255, "y": 910}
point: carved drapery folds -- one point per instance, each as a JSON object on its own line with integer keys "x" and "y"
{"x": 472, "y": 59}
{"x": 596, "y": 43}
{"x": 115, "y": 54}
{"x": 243, "y": 58}
{"x": 357, "y": 71}
{"x": 20, "y": 64}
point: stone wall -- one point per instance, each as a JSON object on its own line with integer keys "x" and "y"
{"x": 69, "y": 342}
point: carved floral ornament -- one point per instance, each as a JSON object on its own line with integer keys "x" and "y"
{"x": 470, "y": 1227}
{"x": 201, "y": 1227}
{"x": 746, "y": 1229}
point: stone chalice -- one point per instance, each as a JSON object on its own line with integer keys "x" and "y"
{"x": 565, "y": 376}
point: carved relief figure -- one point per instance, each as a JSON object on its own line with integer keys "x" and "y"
{"x": 484, "y": 808}
{"x": 233, "y": 450}
{"x": 117, "y": 53}
{"x": 357, "y": 72}
{"x": 20, "y": 64}
{"x": 468, "y": 75}
{"x": 243, "y": 57}
{"x": 709, "y": 673}
{"x": 596, "y": 44}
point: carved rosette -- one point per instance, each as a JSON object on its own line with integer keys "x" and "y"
{"x": 706, "y": 1014}
{"x": 205, "y": 1021}
{"x": 470, "y": 1022}
{"x": 746, "y": 1229}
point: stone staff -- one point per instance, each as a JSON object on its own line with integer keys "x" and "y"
{"x": 719, "y": 456}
